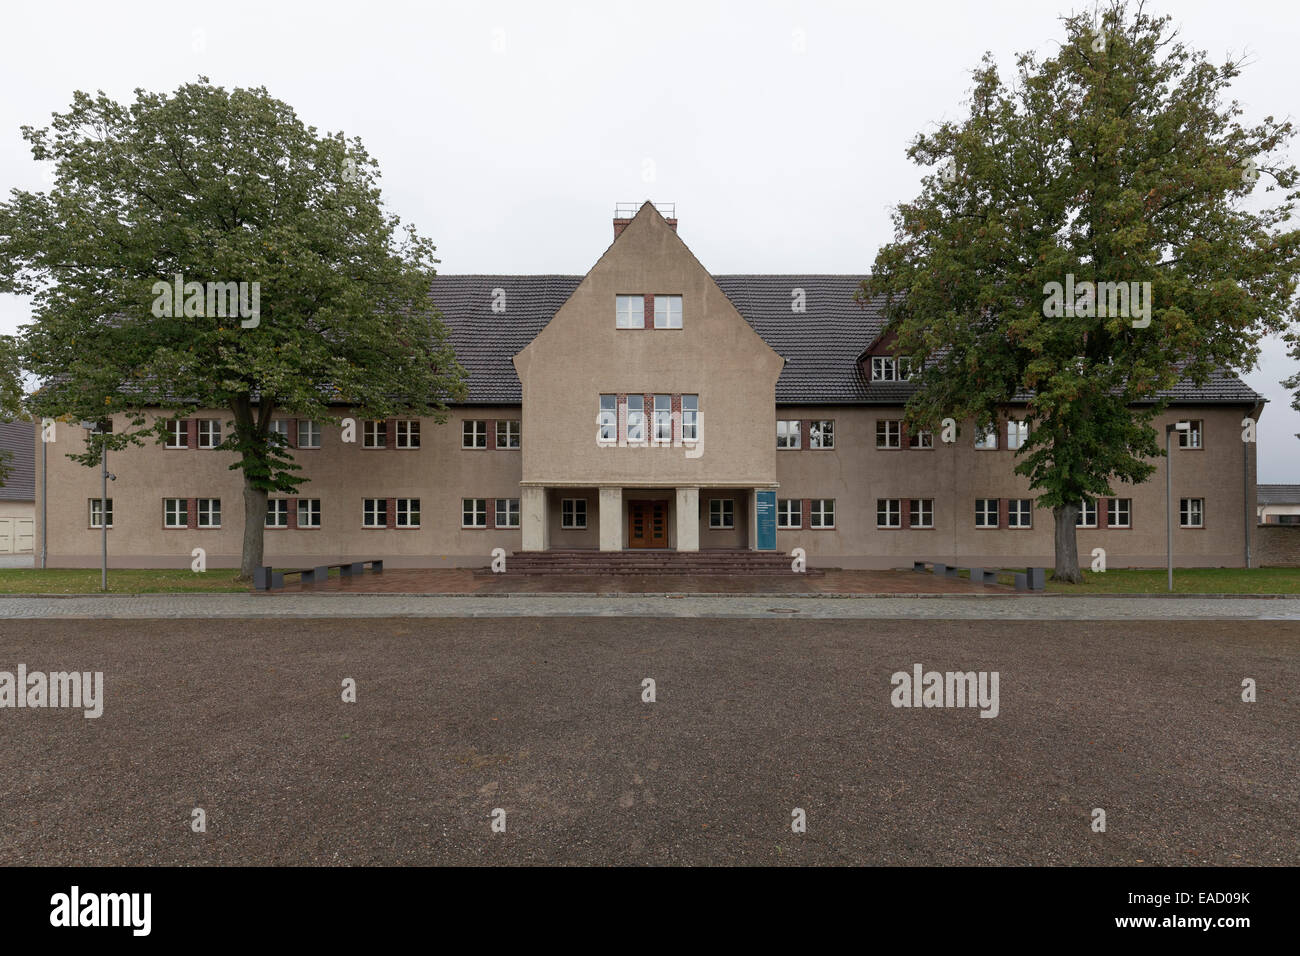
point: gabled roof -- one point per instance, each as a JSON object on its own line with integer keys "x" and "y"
{"x": 821, "y": 345}
{"x": 19, "y": 439}
{"x": 1278, "y": 494}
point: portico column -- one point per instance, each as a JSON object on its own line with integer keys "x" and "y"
{"x": 532, "y": 508}
{"x": 611, "y": 519}
{"x": 688, "y": 519}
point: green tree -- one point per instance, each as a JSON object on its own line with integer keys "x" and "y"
{"x": 1116, "y": 161}
{"x": 220, "y": 187}
{"x": 11, "y": 394}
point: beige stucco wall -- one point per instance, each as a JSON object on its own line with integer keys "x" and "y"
{"x": 856, "y": 474}
{"x": 581, "y": 354}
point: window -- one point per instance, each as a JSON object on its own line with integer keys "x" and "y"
{"x": 890, "y": 368}
{"x": 722, "y": 513}
{"x": 408, "y": 433}
{"x": 1119, "y": 512}
{"x": 636, "y": 418}
{"x": 630, "y": 312}
{"x": 1017, "y": 433}
{"x": 473, "y": 435}
{"x": 308, "y": 512}
{"x": 920, "y": 512}
{"x": 473, "y": 513}
{"x": 374, "y": 513}
{"x": 821, "y": 434}
{"x": 787, "y": 434}
{"x": 1192, "y": 437}
{"x": 987, "y": 438}
{"x": 1020, "y": 513}
{"x": 889, "y": 433}
{"x": 663, "y": 423}
{"x": 176, "y": 513}
{"x": 608, "y": 419}
{"x": 178, "y": 434}
{"x": 668, "y": 312}
{"x": 573, "y": 513}
{"x": 789, "y": 513}
{"x": 507, "y": 512}
{"x": 277, "y": 513}
{"x": 508, "y": 434}
{"x": 95, "y": 506}
{"x": 1087, "y": 517}
{"x": 374, "y": 433}
{"x": 308, "y": 434}
{"x": 408, "y": 512}
{"x": 209, "y": 512}
{"x": 690, "y": 417}
{"x": 821, "y": 513}
{"x": 209, "y": 432}
{"x": 280, "y": 426}
{"x": 889, "y": 513}
{"x": 1191, "y": 513}
{"x": 986, "y": 512}
{"x": 920, "y": 439}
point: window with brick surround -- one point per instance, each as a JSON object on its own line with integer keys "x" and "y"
{"x": 308, "y": 434}
{"x": 636, "y": 418}
{"x": 176, "y": 513}
{"x": 722, "y": 513}
{"x": 473, "y": 513}
{"x": 408, "y": 433}
{"x": 95, "y": 506}
{"x": 209, "y": 432}
{"x": 1191, "y": 513}
{"x": 920, "y": 439}
{"x": 308, "y": 512}
{"x": 920, "y": 512}
{"x": 608, "y": 420}
{"x": 889, "y": 513}
{"x": 277, "y": 513}
{"x": 690, "y": 417}
{"x": 573, "y": 513}
{"x": 473, "y": 434}
{"x": 986, "y": 512}
{"x": 789, "y": 513}
{"x": 1119, "y": 512}
{"x": 889, "y": 433}
{"x": 507, "y": 512}
{"x": 663, "y": 422}
{"x": 821, "y": 513}
{"x": 508, "y": 433}
{"x": 374, "y": 433}
{"x": 407, "y": 513}
{"x": 209, "y": 512}
{"x": 374, "y": 513}
{"x": 1193, "y": 437}
{"x": 986, "y": 438}
{"x": 1017, "y": 433}
{"x": 178, "y": 434}
{"x": 1020, "y": 513}
{"x": 280, "y": 427}
{"x": 787, "y": 434}
{"x": 821, "y": 434}
{"x": 1087, "y": 516}
{"x": 629, "y": 311}
{"x": 668, "y": 312}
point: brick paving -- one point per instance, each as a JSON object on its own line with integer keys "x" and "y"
{"x": 474, "y": 581}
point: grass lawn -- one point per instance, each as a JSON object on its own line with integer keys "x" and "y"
{"x": 1186, "y": 581}
{"x": 133, "y": 581}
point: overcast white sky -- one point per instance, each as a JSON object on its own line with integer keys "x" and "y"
{"x": 508, "y": 131}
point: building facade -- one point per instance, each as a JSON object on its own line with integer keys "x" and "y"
{"x": 649, "y": 404}
{"x": 17, "y": 492}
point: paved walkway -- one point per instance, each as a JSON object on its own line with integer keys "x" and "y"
{"x": 955, "y": 607}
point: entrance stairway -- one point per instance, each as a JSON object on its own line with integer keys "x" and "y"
{"x": 577, "y": 561}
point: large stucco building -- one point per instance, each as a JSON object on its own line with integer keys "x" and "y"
{"x": 650, "y": 404}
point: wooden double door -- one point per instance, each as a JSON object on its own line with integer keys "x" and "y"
{"x": 647, "y": 524}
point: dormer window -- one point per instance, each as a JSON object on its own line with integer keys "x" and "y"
{"x": 890, "y": 368}
{"x": 629, "y": 312}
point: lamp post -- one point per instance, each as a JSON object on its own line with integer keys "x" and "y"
{"x": 1169, "y": 493}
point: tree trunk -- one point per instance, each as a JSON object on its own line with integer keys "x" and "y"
{"x": 1067, "y": 548}
{"x": 254, "y": 529}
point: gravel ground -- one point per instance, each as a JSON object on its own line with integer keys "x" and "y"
{"x": 544, "y": 719}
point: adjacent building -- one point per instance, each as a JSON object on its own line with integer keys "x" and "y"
{"x": 17, "y": 492}
{"x": 651, "y": 404}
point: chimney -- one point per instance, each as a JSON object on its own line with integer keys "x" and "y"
{"x": 625, "y": 212}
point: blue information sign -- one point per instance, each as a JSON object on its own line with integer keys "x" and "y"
{"x": 765, "y": 503}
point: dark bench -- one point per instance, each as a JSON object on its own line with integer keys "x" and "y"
{"x": 268, "y": 579}
{"x": 1031, "y": 579}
